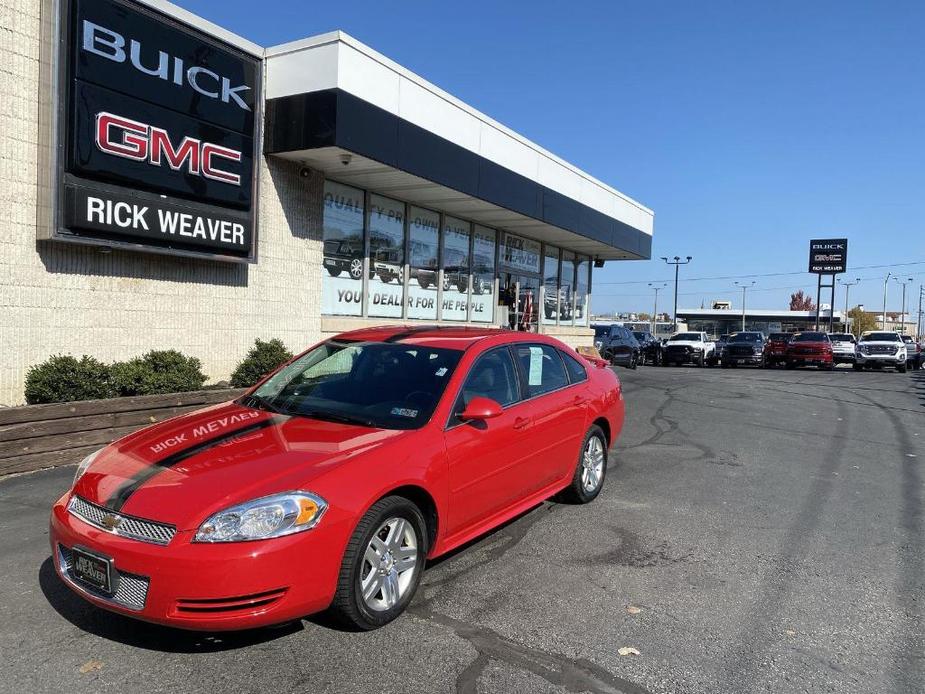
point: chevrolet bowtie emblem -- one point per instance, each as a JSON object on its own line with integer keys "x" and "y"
{"x": 110, "y": 522}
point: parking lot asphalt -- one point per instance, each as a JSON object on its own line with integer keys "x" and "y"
{"x": 759, "y": 532}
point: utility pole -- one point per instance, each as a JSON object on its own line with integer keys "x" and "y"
{"x": 656, "y": 287}
{"x": 886, "y": 283}
{"x": 848, "y": 285}
{"x": 677, "y": 262}
{"x": 902, "y": 315}
{"x": 918, "y": 325}
{"x": 744, "y": 288}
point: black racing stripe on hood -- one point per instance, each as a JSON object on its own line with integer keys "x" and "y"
{"x": 122, "y": 494}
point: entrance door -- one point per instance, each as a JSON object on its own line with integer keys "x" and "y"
{"x": 521, "y": 295}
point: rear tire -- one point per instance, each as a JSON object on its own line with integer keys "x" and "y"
{"x": 858, "y": 367}
{"x": 901, "y": 369}
{"x": 349, "y": 606}
{"x": 591, "y": 470}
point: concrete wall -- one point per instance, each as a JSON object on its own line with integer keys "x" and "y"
{"x": 63, "y": 298}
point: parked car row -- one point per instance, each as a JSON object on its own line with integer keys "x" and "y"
{"x": 874, "y": 349}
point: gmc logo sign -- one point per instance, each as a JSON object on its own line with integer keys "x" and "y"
{"x": 132, "y": 139}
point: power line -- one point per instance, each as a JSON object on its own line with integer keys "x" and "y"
{"x": 767, "y": 274}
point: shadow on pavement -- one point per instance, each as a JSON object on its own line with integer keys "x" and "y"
{"x": 131, "y": 632}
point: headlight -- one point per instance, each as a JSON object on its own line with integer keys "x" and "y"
{"x": 84, "y": 464}
{"x": 260, "y": 519}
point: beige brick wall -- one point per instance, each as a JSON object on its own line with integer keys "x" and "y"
{"x": 63, "y": 298}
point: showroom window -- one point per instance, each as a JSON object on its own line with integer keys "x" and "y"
{"x": 567, "y": 288}
{"x": 342, "y": 281}
{"x": 386, "y": 257}
{"x": 482, "y": 303}
{"x": 550, "y": 285}
{"x": 582, "y": 268}
{"x": 423, "y": 250}
{"x": 456, "y": 242}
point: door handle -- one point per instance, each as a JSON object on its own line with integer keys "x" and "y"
{"x": 521, "y": 422}
{"x": 579, "y": 400}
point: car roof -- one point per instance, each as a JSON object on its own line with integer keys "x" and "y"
{"x": 438, "y": 336}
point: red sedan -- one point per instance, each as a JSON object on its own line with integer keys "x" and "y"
{"x": 330, "y": 483}
{"x": 810, "y": 349}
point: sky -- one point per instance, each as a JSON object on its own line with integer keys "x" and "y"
{"x": 748, "y": 127}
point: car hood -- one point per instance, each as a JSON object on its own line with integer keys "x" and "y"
{"x": 817, "y": 345}
{"x": 185, "y": 469}
{"x": 685, "y": 343}
{"x": 881, "y": 343}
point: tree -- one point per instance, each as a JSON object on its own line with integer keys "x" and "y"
{"x": 861, "y": 320}
{"x": 800, "y": 302}
{"x": 644, "y": 316}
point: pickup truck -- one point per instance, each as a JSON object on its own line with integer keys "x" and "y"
{"x": 688, "y": 348}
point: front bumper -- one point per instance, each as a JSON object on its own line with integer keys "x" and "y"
{"x": 742, "y": 358}
{"x": 846, "y": 357}
{"x": 881, "y": 359}
{"x": 209, "y": 587}
{"x": 811, "y": 359}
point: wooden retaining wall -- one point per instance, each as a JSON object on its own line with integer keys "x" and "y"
{"x": 40, "y": 436}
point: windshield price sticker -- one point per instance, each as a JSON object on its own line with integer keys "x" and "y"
{"x": 535, "y": 375}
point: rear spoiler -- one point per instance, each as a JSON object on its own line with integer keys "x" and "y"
{"x": 591, "y": 354}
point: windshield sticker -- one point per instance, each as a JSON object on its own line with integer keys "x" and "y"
{"x": 404, "y": 412}
{"x": 535, "y": 377}
{"x": 441, "y": 371}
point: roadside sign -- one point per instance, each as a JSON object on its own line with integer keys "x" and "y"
{"x": 828, "y": 256}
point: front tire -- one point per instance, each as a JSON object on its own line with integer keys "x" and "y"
{"x": 382, "y": 565}
{"x": 901, "y": 368}
{"x": 332, "y": 271}
{"x": 591, "y": 470}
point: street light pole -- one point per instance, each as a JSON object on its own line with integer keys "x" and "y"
{"x": 744, "y": 288}
{"x": 918, "y": 325}
{"x": 677, "y": 262}
{"x": 656, "y": 287}
{"x": 902, "y": 315}
{"x": 886, "y": 283}
{"x": 848, "y": 285}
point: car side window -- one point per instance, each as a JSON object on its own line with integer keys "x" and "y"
{"x": 492, "y": 376}
{"x": 576, "y": 372}
{"x": 541, "y": 368}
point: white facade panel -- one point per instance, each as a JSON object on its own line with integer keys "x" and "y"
{"x": 501, "y": 148}
{"x": 368, "y": 79}
{"x": 298, "y": 72}
{"x": 432, "y": 112}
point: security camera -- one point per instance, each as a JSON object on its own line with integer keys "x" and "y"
{"x": 305, "y": 172}
{"x": 345, "y": 158}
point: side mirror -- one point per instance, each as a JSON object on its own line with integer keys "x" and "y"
{"x": 480, "y": 409}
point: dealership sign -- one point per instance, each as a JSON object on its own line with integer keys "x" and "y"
{"x": 828, "y": 256}
{"x": 156, "y": 133}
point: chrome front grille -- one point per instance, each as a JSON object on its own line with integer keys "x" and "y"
{"x": 131, "y": 590}
{"x": 120, "y": 524}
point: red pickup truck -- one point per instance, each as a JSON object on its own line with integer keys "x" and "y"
{"x": 775, "y": 349}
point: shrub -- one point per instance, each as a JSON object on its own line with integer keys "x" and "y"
{"x": 263, "y": 358}
{"x": 158, "y": 371}
{"x": 64, "y": 379}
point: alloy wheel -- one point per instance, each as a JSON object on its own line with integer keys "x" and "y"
{"x": 592, "y": 464}
{"x": 389, "y": 564}
{"x": 356, "y": 268}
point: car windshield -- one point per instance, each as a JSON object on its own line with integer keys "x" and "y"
{"x": 881, "y": 337}
{"x": 779, "y": 337}
{"x": 601, "y": 330}
{"x": 841, "y": 337}
{"x": 639, "y": 336}
{"x": 687, "y": 337}
{"x": 746, "y": 337}
{"x": 810, "y": 337}
{"x": 375, "y": 384}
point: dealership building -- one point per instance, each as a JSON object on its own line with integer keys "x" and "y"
{"x": 168, "y": 184}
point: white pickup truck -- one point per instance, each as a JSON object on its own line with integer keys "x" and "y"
{"x": 689, "y": 348}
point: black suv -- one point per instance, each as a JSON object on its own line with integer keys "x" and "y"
{"x": 344, "y": 255}
{"x": 650, "y": 346}
{"x": 743, "y": 348}
{"x": 617, "y": 345}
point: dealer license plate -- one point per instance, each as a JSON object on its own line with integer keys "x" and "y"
{"x": 329, "y": 261}
{"x": 92, "y": 570}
